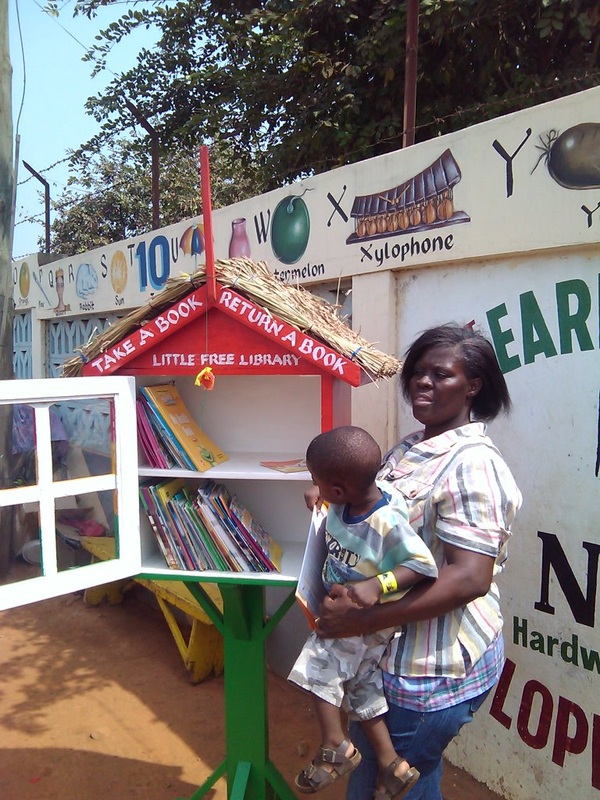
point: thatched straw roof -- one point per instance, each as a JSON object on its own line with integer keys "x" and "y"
{"x": 294, "y": 305}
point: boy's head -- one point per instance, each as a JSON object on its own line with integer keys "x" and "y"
{"x": 343, "y": 463}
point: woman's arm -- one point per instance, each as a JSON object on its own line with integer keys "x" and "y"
{"x": 465, "y": 576}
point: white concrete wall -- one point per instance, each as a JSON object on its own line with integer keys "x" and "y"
{"x": 548, "y": 703}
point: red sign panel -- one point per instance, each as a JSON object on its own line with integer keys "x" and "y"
{"x": 235, "y": 336}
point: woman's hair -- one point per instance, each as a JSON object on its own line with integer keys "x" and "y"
{"x": 479, "y": 360}
{"x": 346, "y": 455}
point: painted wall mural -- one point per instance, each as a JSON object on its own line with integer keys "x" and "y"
{"x": 290, "y": 229}
{"x": 404, "y": 209}
{"x": 573, "y": 157}
{"x": 425, "y": 201}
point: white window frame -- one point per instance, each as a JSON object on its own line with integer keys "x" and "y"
{"x": 42, "y": 394}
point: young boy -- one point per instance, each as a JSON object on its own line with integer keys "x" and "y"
{"x": 374, "y": 552}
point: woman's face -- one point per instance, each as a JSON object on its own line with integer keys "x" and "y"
{"x": 440, "y": 391}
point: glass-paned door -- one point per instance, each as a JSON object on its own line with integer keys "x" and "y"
{"x": 69, "y": 474}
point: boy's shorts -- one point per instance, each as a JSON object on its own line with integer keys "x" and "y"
{"x": 345, "y": 672}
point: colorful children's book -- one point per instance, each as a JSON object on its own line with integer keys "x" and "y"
{"x": 223, "y": 502}
{"x": 164, "y": 491}
{"x": 162, "y": 537}
{"x": 221, "y": 555}
{"x": 155, "y": 451}
{"x": 214, "y": 556}
{"x": 165, "y": 435}
{"x": 159, "y": 521}
{"x": 204, "y": 528}
{"x": 196, "y": 546}
{"x": 269, "y": 550}
{"x": 210, "y": 504}
{"x": 168, "y": 404}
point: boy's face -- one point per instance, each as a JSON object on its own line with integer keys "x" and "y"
{"x": 328, "y": 492}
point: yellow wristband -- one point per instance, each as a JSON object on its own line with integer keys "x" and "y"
{"x": 388, "y": 582}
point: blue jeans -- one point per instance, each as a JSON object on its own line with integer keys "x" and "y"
{"x": 420, "y": 738}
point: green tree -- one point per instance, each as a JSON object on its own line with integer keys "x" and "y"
{"x": 302, "y": 87}
{"x": 109, "y": 194}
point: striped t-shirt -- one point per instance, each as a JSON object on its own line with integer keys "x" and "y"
{"x": 361, "y": 547}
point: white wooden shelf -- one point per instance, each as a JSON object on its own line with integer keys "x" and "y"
{"x": 240, "y": 466}
{"x": 291, "y": 561}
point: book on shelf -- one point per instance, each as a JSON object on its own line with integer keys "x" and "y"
{"x": 267, "y": 549}
{"x": 245, "y": 540}
{"x": 156, "y": 453}
{"x": 164, "y": 492}
{"x": 165, "y": 436}
{"x": 204, "y": 527}
{"x": 215, "y": 558}
{"x": 168, "y": 543}
{"x": 161, "y": 535}
{"x": 185, "y": 531}
{"x": 310, "y": 590}
{"x": 289, "y": 466}
{"x": 168, "y": 406}
{"x": 221, "y": 531}
{"x": 206, "y": 553}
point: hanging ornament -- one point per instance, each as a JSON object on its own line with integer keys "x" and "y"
{"x": 205, "y": 379}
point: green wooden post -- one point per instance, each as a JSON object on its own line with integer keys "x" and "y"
{"x": 250, "y": 773}
{"x": 246, "y": 724}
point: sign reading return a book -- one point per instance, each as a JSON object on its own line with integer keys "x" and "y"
{"x": 232, "y": 335}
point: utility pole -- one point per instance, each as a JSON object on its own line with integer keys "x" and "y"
{"x": 6, "y": 197}
{"x": 7, "y": 182}
{"x": 46, "y": 186}
{"x": 410, "y": 72}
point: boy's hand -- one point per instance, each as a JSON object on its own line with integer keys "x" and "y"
{"x": 365, "y": 593}
{"x": 312, "y": 499}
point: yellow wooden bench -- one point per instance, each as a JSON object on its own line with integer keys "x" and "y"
{"x": 202, "y": 648}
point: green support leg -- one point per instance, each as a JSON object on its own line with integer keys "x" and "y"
{"x": 251, "y": 775}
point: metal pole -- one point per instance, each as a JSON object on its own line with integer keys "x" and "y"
{"x": 46, "y": 202}
{"x": 7, "y": 181}
{"x": 155, "y": 161}
{"x": 209, "y": 244}
{"x": 410, "y": 72}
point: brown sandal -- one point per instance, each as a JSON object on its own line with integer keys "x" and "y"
{"x": 317, "y": 776}
{"x": 391, "y": 786}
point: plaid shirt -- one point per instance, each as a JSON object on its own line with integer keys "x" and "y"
{"x": 433, "y": 694}
{"x": 459, "y": 490}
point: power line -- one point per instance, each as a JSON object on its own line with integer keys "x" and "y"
{"x": 386, "y": 140}
{"x": 18, "y": 13}
{"x": 498, "y": 103}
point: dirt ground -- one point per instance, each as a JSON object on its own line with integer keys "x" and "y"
{"x": 95, "y": 704}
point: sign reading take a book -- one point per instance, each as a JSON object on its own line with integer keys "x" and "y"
{"x": 261, "y": 341}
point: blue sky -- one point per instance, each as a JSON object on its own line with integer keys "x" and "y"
{"x": 48, "y": 99}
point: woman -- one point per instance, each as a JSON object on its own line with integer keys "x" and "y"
{"x": 462, "y": 500}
